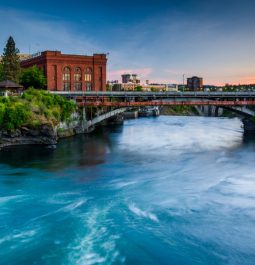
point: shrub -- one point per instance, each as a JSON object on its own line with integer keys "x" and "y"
{"x": 2, "y": 112}
{"x": 34, "y": 107}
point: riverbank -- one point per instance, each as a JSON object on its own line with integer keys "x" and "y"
{"x": 40, "y": 118}
{"x": 178, "y": 111}
{"x": 36, "y": 117}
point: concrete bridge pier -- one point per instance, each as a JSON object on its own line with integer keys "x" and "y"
{"x": 249, "y": 125}
{"x": 84, "y": 120}
{"x": 210, "y": 111}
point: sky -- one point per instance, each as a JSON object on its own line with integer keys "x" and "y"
{"x": 160, "y": 40}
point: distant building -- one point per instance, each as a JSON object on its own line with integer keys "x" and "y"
{"x": 160, "y": 87}
{"x": 130, "y": 78}
{"x": 22, "y": 56}
{"x": 171, "y": 87}
{"x": 68, "y": 72}
{"x": 195, "y": 83}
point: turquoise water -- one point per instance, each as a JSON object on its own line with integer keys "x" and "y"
{"x": 166, "y": 190}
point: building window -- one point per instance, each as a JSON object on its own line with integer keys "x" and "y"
{"x": 67, "y": 79}
{"x": 67, "y": 86}
{"x": 77, "y": 79}
{"x": 77, "y": 74}
{"x": 88, "y": 79}
{"x": 66, "y": 74}
{"x": 88, "y": 74}
{"x": 88, "y": 86}
{"x": 77, "y": 86}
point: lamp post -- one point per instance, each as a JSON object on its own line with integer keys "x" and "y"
{"x": 183, "y": 77}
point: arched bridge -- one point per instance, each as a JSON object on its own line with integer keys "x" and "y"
{"x": 117, "y": 102}
{"x": 237, "y": 101}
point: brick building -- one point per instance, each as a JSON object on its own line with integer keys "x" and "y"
{"x": 66, "y": 72}
{"x": 195, "y": 83}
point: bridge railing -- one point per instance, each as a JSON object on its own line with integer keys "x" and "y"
{"x": 167, "y": 94}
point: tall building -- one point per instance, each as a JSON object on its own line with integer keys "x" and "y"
{"x": 67, "y": 72}
{"x": 130, "y": 78}
{"x": 195, "y": 83}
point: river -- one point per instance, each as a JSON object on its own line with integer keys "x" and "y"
{"x": 164, "y": 190}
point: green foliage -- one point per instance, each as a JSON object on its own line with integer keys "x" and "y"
{"x": 1, "y": 72}
{"x": 153, "y": 89}
{"x": 10, "y": 61}
{"x": 33, "y": 77}
{"x": 108, "y": 87}
{"x": 139, "y": 88}
{"x": 33, "y": 108}
{"x": 15, "y": 115}
{"x": 178, "y": 110}
{"x": 2, "y": 111}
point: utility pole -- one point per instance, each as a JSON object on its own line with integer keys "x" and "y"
{"x": 183, "y": 77}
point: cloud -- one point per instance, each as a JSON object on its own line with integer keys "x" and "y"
{"x": 35, "y": 32}
{"x": 161, "y": 47}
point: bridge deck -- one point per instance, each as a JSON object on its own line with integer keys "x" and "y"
{"x": 167, "y": 103}
{"x": 174, "y": 94}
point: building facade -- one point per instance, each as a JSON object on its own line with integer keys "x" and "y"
{"x": 130, "y": 78}
{"x": 195, "y": 83}
{"x": 67, "y": 72}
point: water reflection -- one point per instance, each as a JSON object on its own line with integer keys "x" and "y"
{"x": 79, "y": 151}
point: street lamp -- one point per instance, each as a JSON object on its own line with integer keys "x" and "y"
{"x": 183, "y": 77}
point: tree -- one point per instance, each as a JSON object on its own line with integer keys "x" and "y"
{"x": 153, "y": 89}
{"x": 10, "y": 61}
{"x": 33, "y": 77}
{"x": 1, "y": 72}
{"x": 138, "y": 88}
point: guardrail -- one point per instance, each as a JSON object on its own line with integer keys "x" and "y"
{"x": 168, "y": 94}
{"x": 167, "y": 103}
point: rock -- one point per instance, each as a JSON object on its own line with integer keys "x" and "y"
{"x": 15, "y": 133}
{"x": 53, "y": 146}
{"x": 78, "y": 130}
{"x": 45, "y": 135}
{"x": 249, "y": 125}
{"x": 65, "y": 133}
{"x": 47, "y": 130}
{"x": 30, "y": 132}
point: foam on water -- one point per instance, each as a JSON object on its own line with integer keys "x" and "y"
{"x": 142, "y": 213}
{"x": 170, "y": 190}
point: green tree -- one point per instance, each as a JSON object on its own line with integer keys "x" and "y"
{"x": 153, "y": 89}
{"x": 10, "y": 61}
{"x": 138, "y": 88}
{"x": 108, "y": 87}
{"x": 1, "y": 72}
{"x": 33, "y": 77}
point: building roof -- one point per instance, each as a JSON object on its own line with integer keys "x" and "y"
{"x": 9, "y": 84}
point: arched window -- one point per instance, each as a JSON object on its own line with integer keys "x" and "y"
{"x": 66, "y": 79}
{"x": 88, "y": 74}
{"x": 77, "y": 79}
{"x": 88, "y": 79}
{"x": 66, "y": 74}
{"x": 77, "y": 74}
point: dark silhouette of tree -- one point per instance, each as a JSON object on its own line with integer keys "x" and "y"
{"x": 10, "y": 61}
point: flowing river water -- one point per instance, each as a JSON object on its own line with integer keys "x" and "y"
{"x": 165, "y": 190}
